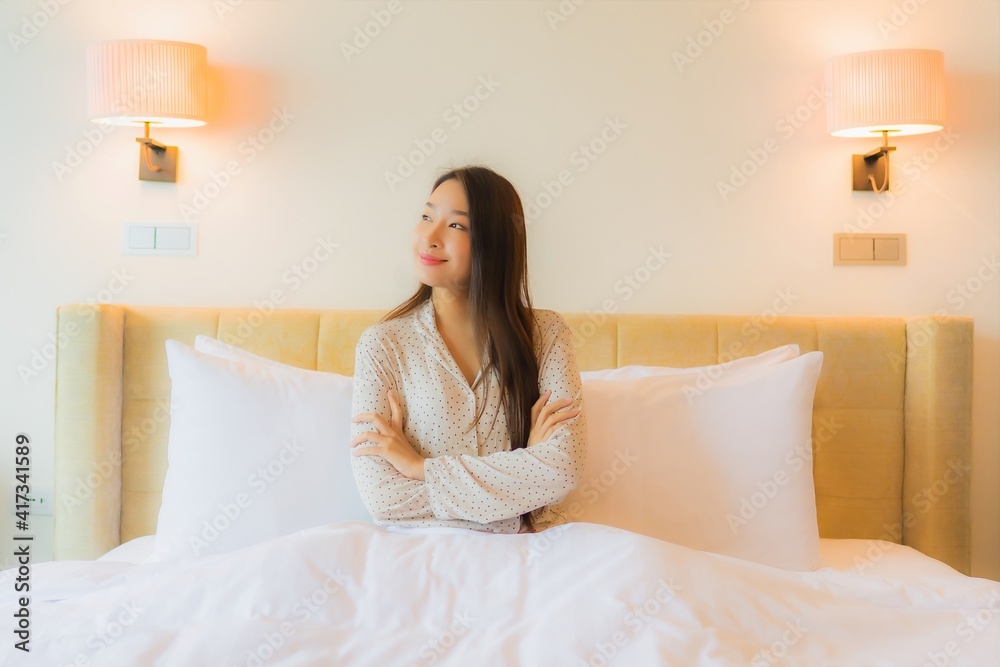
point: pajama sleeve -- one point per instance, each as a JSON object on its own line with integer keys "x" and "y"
{"x": 387, "y": 493}
{"x": 507, "y": 484}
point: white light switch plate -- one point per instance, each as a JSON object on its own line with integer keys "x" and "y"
{"x": 866, "y": 249}
{"x": 159, "y": 238}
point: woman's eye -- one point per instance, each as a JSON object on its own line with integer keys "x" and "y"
{"x": 428, "y": 218}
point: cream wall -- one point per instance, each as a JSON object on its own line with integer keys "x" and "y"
{"x": 329, "y": 127}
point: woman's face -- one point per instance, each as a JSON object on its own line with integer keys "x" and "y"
{"x": 443, "y": 232}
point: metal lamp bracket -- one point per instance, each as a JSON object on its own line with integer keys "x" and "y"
{"x": 870, "y": 168}
{"x": 156, "y": 161}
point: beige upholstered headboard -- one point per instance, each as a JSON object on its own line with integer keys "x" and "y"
{"x": 891, "y": 418}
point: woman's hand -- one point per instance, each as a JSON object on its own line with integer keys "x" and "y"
{"x": 389, "y": 441}
{"x": 545, "y": 420}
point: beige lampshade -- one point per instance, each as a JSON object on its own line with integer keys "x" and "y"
{"x": 900, "y": 90}
{"x": 141, "y": 80}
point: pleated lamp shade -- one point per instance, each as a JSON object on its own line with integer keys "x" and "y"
{"x": 135, "y": 81}
{"x": 900, "y": 90}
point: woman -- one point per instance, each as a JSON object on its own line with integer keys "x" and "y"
{"x": 467, "y": 350}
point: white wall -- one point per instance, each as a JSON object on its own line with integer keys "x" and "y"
{"x": 682, "y": 130}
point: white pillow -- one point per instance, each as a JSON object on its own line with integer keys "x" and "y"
{"x": 255, "y": 450}
{"x": 728, "y": 472}
{"x": 706, "y": 373}
{"x": 348, "y": 505}
{"x": 217, "y": 348}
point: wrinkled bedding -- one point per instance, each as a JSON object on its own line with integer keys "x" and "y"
{"x": 580, "y": 594}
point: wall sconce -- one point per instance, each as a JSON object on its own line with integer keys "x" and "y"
{"x": 878, "y": 92}
{"x": 146, "y": 82}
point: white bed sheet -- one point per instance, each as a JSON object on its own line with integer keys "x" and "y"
{"x": 352, "y": 593}
{"x": 842, "y": 555}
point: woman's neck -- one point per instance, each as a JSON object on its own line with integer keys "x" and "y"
{"x": 451, "y": 311}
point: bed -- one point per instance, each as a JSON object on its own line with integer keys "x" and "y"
{"x": 891, "y": 505}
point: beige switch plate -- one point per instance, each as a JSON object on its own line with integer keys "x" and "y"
{"x": 869, "y": 249}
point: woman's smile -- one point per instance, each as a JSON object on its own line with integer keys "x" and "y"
{"x": 430, "y": 260}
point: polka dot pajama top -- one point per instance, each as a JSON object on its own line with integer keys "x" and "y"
{"x": 472, "y": 479}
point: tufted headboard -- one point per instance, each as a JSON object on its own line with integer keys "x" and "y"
{"x": 891, "y": 416}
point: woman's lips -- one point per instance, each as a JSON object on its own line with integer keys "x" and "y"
{"x": 427, "y": 260}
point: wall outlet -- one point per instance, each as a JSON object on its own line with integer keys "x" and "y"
{"x": 39, "y": 502}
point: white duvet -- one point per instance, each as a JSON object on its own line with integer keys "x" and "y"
{"x": 352, "y": 593}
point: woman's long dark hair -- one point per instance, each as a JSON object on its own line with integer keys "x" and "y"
{"x": 499, "y": 301}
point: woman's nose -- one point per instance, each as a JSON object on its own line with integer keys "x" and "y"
{"x": 430, "y": 236}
